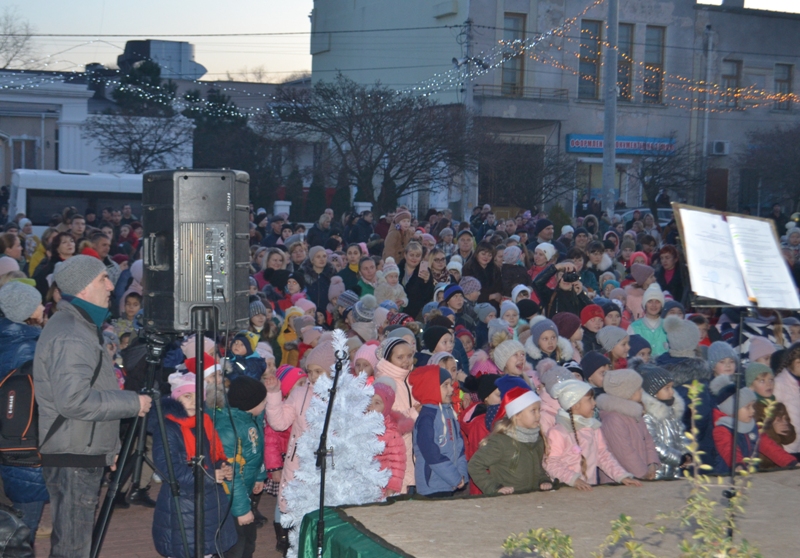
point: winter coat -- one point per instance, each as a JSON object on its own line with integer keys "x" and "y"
{"x": 787, "y": 391}
{"x": 440, "y": 464}
{"x": 393, "y": 456}
{"x": 17, "y": 344}
{"x": 504, "y": 461}
{"x": 251, "y": 365}
{"x": 418, "y": 292}
{"x": 396, "y": 242}
{"x": 563, "y": 461}
{"x": 590, "y": 342}
{"x": 275, "y": 445}
{"x": 684, "y": 371}
{"x": 746, "y": 443}
{"x": 361, "y": 231}
{"x": 490, "y": 278}
{"x": 512, "y": 275}
{"x": 626, "y": 435}
{"x": 534, "y": 355}
{"x": 283, "y": 415}
{"x": 633, "y": 300}
{"x": 656, "y": 337}
{"x": 606, "y": 264}
{"x": 675, "y": 285}
{"x": 769, "y": 430}
{"x": 317, "y": 284}
{"x": 665, "y": 425}
{"x": 549, "y": 409}
{"x": 403, "y": 403}
{"x": 317, "y": 236}
{"x": 242, "y": 436}
{"x": 349, "y": 277}
{"x": 166, "y": 530}
{"x": 384, "y": 291}
{"x": 557, "y": 300}
{"x": 67, "y": 354}
{"x": 473, "y": 430}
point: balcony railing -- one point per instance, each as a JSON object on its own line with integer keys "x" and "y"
{"x": 534, "y": 93}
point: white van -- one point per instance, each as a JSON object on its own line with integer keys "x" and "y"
{"x": 41, "y": 193}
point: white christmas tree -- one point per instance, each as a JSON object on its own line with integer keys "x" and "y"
{"x": 353, "y": 475}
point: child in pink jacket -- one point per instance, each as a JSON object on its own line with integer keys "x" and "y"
{"x": 550, "y": 374}
{"x": 577, "y": 448}
{"x": 393, "y": 456}
{"x": 624, "y": 429}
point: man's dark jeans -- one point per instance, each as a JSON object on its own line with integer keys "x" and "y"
{"x": 74, "y": 493}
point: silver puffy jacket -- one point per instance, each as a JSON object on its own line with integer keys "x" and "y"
{"x": 666, "y": 428}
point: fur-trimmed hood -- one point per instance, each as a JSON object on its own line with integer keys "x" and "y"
{"x": 660, "y": 411}
{"x": 685, "y": 370}
{"x": 534, "y": 352}
{"x": 606, "y": 263}
{"x": 612, "y": 403}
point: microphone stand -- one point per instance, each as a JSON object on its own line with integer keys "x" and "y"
{"x": 322, "y": 453}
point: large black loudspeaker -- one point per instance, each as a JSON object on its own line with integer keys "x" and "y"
{"x": 195, "y": 249}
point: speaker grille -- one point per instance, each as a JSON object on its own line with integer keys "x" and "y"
{"x": 192, "y": 265}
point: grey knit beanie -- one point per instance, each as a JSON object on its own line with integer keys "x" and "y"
{"x": 622, "y": 383}
{"x": 364, "y": 309}
{"x": 723, "y": 391}
{"x": 257, "y": 307}
{"x": 682, "y": 335}
{"x": 720, "y": 350}
{"x": 505, "y": 351}
{"x": 538, "y": 329}
{"x": 610, "y": 336}
{"x": 75, "y": 274}
{"x": 19, "y": 301}
{"x": 483, "y": 310}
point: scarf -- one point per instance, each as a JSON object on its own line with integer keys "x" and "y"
{"x": 525, "y": 435}
{"x": 491, "y": 412}
{"x": 353, "y": 267}
{"x": 187, "y": 425}
{"x": 765, "y": 400}
{"x": 742, "y": 427}
{"x": 580, "y": 422}
{"x": 98, "y": 314}
{"x": 668, "y": 402}
{"x": 386, "y": 368}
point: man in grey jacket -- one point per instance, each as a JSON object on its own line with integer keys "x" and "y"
{"x": 80, "y": 403}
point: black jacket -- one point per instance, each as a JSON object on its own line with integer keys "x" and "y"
{"x": 317, "y": 237}
{"x": 558, "y": 300}
{"x": 419, "y": 292}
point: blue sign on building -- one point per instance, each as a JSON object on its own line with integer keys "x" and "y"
{"x": 628, "y": 145}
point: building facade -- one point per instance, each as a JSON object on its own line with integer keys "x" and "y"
{"x": 689, "y": 74}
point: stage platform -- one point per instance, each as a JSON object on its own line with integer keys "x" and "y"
{"x": 477, "y": 527}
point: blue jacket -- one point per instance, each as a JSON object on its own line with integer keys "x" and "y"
{"x": 17, "y": 346}
{"x": 166, "y": 532}
{"x": 438, "y": 450}
{"x": 251, "y": 365}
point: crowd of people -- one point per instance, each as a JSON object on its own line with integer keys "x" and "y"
{"x": 504, "y": 358}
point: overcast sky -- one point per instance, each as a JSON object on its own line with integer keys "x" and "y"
{"x": 279, "y": 56}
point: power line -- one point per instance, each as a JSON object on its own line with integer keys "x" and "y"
{"x": 272, "y": 34}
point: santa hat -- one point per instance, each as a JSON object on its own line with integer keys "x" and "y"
{"x": 516, "y": 400}
{"x": 209, "y": 363}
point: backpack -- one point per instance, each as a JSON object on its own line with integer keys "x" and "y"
{"x": 19, "y": 418}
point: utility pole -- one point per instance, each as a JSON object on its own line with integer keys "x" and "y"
{"x": 610, "y": 117}
{"x": 706, "y": 110}
{"x": 469, "y": 198}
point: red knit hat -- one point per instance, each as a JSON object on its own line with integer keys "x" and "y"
{"x": 591, "y": 311}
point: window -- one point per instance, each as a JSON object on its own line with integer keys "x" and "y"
{"x": 731, "y": 82}
{"x": 653, "y": 91}
{"x": 783, "y": 86}
{"x": 625, "y": 62}
{"x": 589, "y": 66}
{"x": 514, "y": 65}
{"x": 24, "y": 155}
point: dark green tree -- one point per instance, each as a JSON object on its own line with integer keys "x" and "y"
{"x": 294, "y": 193}
{"x": 315, "y": 203}
{"x": 142, "y": 92}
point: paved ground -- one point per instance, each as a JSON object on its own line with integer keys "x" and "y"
{"x": 130, "y": 532}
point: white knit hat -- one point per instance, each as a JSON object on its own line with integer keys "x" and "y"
{"x": 570, "y": 392}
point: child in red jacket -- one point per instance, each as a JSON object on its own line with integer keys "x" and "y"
{"x": 393, "y": 456}
{"x": 476, "y": 422}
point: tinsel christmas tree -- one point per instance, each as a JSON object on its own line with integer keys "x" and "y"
{"x": 353, "y": 474}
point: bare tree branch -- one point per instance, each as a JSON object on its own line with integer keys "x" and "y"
{"x": 16, "y": 41}
{"x": 775, "y": 156}
{"x": 139, "y": 143}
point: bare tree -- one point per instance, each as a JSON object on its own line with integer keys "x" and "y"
{"x": 677, "y": 171}
{"x": 16, "y": 41}
{"x": 522, "y": 174}
{"x": 399, "y": 142}
{"x": 774, "y": 155}
{"x": 139, "y": 143}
